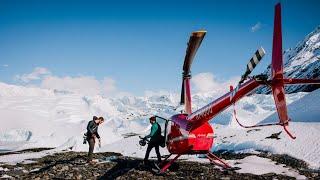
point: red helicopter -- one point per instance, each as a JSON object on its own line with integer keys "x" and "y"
{"x": 190, "y": 132}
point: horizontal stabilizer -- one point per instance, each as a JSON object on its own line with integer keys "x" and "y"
{"x": 301, "y": 81}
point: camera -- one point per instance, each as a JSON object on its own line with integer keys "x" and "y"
{"x": 85, "y": 138}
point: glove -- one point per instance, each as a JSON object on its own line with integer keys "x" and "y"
{"x": 99, "y": 143}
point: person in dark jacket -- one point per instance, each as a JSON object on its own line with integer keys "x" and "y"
{"x": 155, "y": 138}
{"x": 92, "y": 134}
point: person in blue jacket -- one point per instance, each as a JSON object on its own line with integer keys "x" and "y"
{"x": 155, "y": 139}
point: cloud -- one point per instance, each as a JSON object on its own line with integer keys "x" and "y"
{"x": 37, "y": 74}
{"x": 83, "y": 84}
{"x": 256, "y": 27}
{"x": 87, "y": 85}
{"x": 108, "y": 85}
{"x": 207, "y": 82}
{"x": 5, "y": 65}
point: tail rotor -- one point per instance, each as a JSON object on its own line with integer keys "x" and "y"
{"x": 277, "y": 81}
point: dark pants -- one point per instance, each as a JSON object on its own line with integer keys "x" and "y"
{"x": 149, "y": 148}
{"x": 91, "y": 147}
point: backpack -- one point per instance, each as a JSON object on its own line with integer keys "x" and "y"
{"x": 162, "y": 141}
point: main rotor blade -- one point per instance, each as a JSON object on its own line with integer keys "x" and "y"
{"x": 277, "y": 62}
{"x": 253, "y": 62}
{"x": 193, "y": 45}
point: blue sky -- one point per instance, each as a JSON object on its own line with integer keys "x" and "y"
{"x": 141, "y": 44}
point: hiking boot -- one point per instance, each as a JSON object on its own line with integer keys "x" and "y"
{"x": 146, "y": 163}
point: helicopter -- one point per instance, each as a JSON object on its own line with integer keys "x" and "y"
{"x": 190, "y": 132}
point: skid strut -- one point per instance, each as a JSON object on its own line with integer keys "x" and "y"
{"x": 166, "y": 166}
{"x": 163, "y": 161}
{"x": 217, "y": 161}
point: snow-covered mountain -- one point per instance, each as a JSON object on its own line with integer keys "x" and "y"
{"x": 34, "y": 117}
{"x": 303, "y": 61}
{"x": 47, "y": 118}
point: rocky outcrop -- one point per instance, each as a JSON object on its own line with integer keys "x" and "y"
{"x": 72, "y": 165}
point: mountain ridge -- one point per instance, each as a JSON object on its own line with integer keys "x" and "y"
{"x": 302, "y": 61}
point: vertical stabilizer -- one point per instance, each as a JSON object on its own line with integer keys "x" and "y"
{"x": 277, "y": 84}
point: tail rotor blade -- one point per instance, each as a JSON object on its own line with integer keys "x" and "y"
{"x": 253, "y": 62}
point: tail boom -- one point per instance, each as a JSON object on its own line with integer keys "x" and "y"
{"x": 209, "y": 111}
